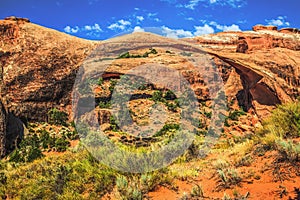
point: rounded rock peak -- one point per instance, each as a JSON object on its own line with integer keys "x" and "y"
{"x": 17, "y": 19}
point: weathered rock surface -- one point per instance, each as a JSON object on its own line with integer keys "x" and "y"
{"x": 262, "y": 27}
{"x": 262, "y": 37}
{"x": 38, "y": 67}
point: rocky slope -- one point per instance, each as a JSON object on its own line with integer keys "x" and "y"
{"x": 259, "y": 68}
{"x": 38, "y": 67}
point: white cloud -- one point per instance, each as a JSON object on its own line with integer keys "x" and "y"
{"x": 279, "y": 21}
{"x": 121, "y": 24}
{"x": 94, "y": 27}
{"x": 192, "y": 4}
{"x": 151, "y": 15}
{"x": 140, "y": 18}
{"x": 69, "y": 29}
{"x": 169, "y": 1}
{"x": 175, "y": 33}
{"x": 138, "y": 29}
{"x": 93, "y": 30}
{"x": 202, "y": 30}
{"x": 232, "y": 27}
{"x": 189, "y": 18}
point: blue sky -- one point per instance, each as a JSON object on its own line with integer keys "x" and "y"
{"x": 103, "y": 19}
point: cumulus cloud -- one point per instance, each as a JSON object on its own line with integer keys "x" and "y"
{"x": 279, "y": 21}
{"x": 88, "y": 29}
{"x": 232, "y": 27}
{"x": 121, "y": 24}
{"x": 176, "y": 33}
{"x": 202, "y": 30}
{"x": 138, "y": 29}
{"x": 69, "y": 29}
{"x": 140, "y": 18}
{"x": 94, "y": 27}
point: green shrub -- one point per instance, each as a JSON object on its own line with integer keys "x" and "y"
{"x": 46, "y": 141}
{"x": 284, "y": 121}
{"x": 112, "y": 85}
{"x": 104, "y": 104}
{"x": 153, "y": 51}
{"x": 197, "y": 191}
{"x": 236, "y": 114}
{"x": 172, "y": 106}
{"x": 57, "y": 117}
{"x": 61, "y": 144}
{"x": 124, "y": 55}
{"x": 169, "y": 95}
{"x": 228, "y": 178}
{"x": 157, "y": 96}
{"x": 167, "y": 128}
{"x": 113, "y": 123}
{"x": 28, "y": 151}
{"x": 100, "y": 81}
{"x": 288, "y": 150}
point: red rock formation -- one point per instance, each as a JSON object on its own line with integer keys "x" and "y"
{"x": 262, "y": 27}
{"x": 242, "y": 46}
{"x": 261, "y": 38}
{"x": 289, "y": 30}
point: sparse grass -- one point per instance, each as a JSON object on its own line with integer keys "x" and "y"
{"x": 288, "y": 150}
{"x": 228, "y": 178}
{"x": 72, "y": 175}
{"x": 197, "y": 191}
{"x": 145, "y": 55}
{"x": 284, "y": 123}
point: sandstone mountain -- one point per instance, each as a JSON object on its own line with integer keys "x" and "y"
{"x": 259, "y": 68}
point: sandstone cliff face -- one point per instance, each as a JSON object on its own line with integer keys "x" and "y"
{"x": 266, "y": 60}
{"x": 262, "y": 37}
{"x": 38, "y": 67}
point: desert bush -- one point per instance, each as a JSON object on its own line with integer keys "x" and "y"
{"x": 57, "y": 117}
{"x": 167, "y": 128}
{"x": 126, "y": 190}
{"x": 103, "y": 104}
{"x": 228, "y": 178}
{"x": 221, "y": 164}
{"x": 234, "y": 115}
{"x": 28, "y": 150}
{"x": 288, "y": 150}
{"x": 112, "y": 84}
{"x": 197, "y": 191}
{"x": 100, "y": 81}
{"x": 284, "y": 121}
{"x": 157, "y": 96}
